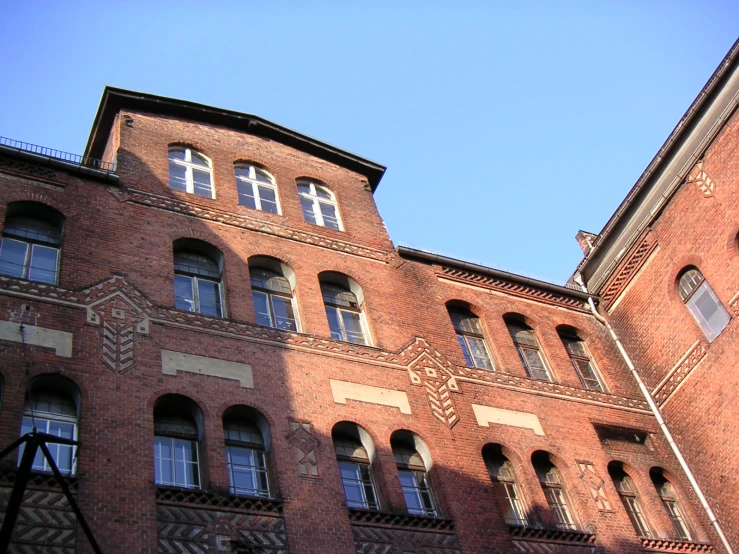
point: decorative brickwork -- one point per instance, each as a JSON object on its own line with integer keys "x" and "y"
{"x": 679, "y": 373}
{"x": 627, "y": 269}
{"x": 305, "y": 443}
{"x": 254, "y": 224}
{"x": 595, "y": 483}
{"x": 24, "y": 314}
{"x": 380, "y": 533}
{"x": 434, "y": 376}
{"x": 734, "y": 304}
{"x": 674, "y": 546}
{"x": 46, "y": 522}
{"x": 19, "y": 167}
{"x": 196, "y": 521}
{"x": 553, "y": 541}
{"x": 700, "y": 179}
{"x": 510, "y": 287}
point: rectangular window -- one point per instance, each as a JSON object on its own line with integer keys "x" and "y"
{"x": 247, "y": 471}
{"x": 268, "y": 199}
{"x": 209, "y": 297}
{"x": 635, "y": 515}
{"x": 246, "y": 194}
{"x": 63, "y": 454}
{"x": 514, "y": 512}
{"x": 358, "y": 488}
{"x": 183, "y": 291}
{"x": 558, "y": 504}
{"x": 43, "y": 265}
{"x": 708, "y": 311}
{"x": 201, "y": 183}
{"x": 176, "y": 462}
{"x": 13, "y": 255}
{"x": 416, "y": 492}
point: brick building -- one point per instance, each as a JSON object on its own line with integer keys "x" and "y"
{"x": 211, "y": 306}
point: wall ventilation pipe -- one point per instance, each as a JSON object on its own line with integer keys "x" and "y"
{"x": 658, "y": 416}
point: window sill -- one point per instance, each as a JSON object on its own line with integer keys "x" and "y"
{"x": 551, "y": 535}
{"x": 386, "y": 519}
{"x": 674, "y": 545}
{"x": 197, "y": 497}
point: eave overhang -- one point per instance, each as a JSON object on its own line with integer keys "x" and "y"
{"x": 114, "y": 100}
{"x": 686, "y": 145}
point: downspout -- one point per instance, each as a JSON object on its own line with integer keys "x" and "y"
{"x": 658, "y": 416}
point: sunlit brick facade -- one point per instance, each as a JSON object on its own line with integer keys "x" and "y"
{"x": 216, "y": 312}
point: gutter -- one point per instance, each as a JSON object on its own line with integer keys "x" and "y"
{"x": 658, "y": 416}
{"x": 428, "y": 256}
{"x": 40, "y": 159}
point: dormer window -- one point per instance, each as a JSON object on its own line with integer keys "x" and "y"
{"x": 191, "y": 172}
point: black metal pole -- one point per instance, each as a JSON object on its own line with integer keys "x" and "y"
{"x": 70, "y": 498}
{"x": 16, "y": 497}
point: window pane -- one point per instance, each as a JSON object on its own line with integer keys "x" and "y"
{"x": 198, "y": 159}
{"x": 261, "y": 307}
{"x": 465, "y": 351}
{"x": 283, "y": 311}
{"x": 332, "y": 314}
{"x": 184, "y": 298}
{"x": 587, "y": 374}
{"x": 13, "y": 257}
{"x": 177, "y": 154}
{"x": 262, "y": 176}
{"x": 323, "y": 193}
{"x": 32, "y": 228}
{"x": 209, "y": 298}
{"x": 411, "y": 492}
{"x": 163, "y": 461}
{"x": 246, "y": 195}
{"x": 42, "y": 267}
{"x": 201, "y": 183}
{"x": 352, "y": 483}
{"x": 708, "y": 311}
{"x": 479, "y": 353}
{"x": 177, "y": 177}
{"x": 353, "y": 327}
{"x": 304, "y": 189}
{"x": 269, "y": 199}
{"x": 330, "y": 219}
{"x": 308, "y": 215}
{"x": 534, "y": 363}
{"x": 186, "y": 463}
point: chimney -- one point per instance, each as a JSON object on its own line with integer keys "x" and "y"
{"x": 586, "y": 241}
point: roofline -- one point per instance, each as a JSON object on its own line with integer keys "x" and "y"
{"x": 50, "y": 161}
{"x": 665, "y": 155}
{"x": 431, "y": 257}
{"x": 114, "y": 100}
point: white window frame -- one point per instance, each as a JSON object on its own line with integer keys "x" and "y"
{"x": 158, "y": 459}
{"x": 189, "y": 166}
{"x": 588, "y": 357}
{"x": 252, "y": 181}
{"x": 36, "y": 417}
{"x": 194, "y": 280}
{"x": 313, "y": 196}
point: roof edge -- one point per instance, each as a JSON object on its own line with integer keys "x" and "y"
{"x": 114, "y": 100}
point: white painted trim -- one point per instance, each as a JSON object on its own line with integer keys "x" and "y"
{"x": 486, "y": 415}
{"x": 172, "y": 362}
{"x": 60, "y": 341}
{"x": 344, "y": 390}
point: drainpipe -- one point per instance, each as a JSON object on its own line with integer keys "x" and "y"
{"x": 658, "y": 416}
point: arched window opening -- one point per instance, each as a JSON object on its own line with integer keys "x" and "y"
{"x": 256, "y": 188}
{"x": 671, "y": 504}
{"x": 190, "y": 171}
{"x": 343, "y": 309}
{"x": 355, "y": 466}
{"x": 319, "y": 205}
{"x": 176, "y": 436}
{"x": 553, "y": 486}
{"x": 581, "y": 359}
{"x": 30, "y": 244}
{"x": 272, "y": 293}
{"x": 629, "y": 498}
{"x": 703, "y": 303}
{"x": 197, "y": 279}
{"x": 528, "y": 349}
{"x": 413, "y": 474}
{"x": 471, "y": 338}
{"x": 245, "y": 455}
{"x": 52, "y": 410}
{"x": 505, "y": 487}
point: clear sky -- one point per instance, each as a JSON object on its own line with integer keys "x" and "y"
{"x": 505, "y": 126}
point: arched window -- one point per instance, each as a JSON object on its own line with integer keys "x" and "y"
{"x": 245, "y": 453}
{"x": 506, "y": 489}
{"x": 630, "y": 498}
{"x": 272, "y": 293}
{"x": 413, "y": 473}
{"x": 343, "y": 309}
{"x": 30, "y": 244}
{"x": 554, "y": 490}
{"x": 672, "y": 506}
{"x": 319, "y": 205}
{"x": 528, "y": 349}
{"x": 176, "y": 436}
{"x": 53, "y": 410}
{"x": 581, "y": 359}
{"x": 470, "y": 337}
{"x": 703, "y": 303}
{"x": 197, "y": 278}
{"x": 257, "y": 189}
{"x": 351, "y": 444}
{"x": 190, "y": 171}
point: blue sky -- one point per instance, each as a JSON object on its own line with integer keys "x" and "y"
{"x": 505, "y": 127}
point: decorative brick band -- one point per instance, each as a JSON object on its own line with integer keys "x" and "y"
{"x": 383, "y": 519}
{"x": 253, "y": 224}
{"x": 510, "y": 287}
{"x": 203, "y": 499}
{"x": 37, "y": 172}
{"x": 552, "y": 535}
{"x": 37, "y": 480}
{"x": 679, "y": 373}
{"x": 627, "y": 269}
{"x": 668, "y": 545}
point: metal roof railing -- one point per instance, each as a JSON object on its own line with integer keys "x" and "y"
{"x": 75, "y": 159}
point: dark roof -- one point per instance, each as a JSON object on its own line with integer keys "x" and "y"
{"x": 115, "y": 99}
